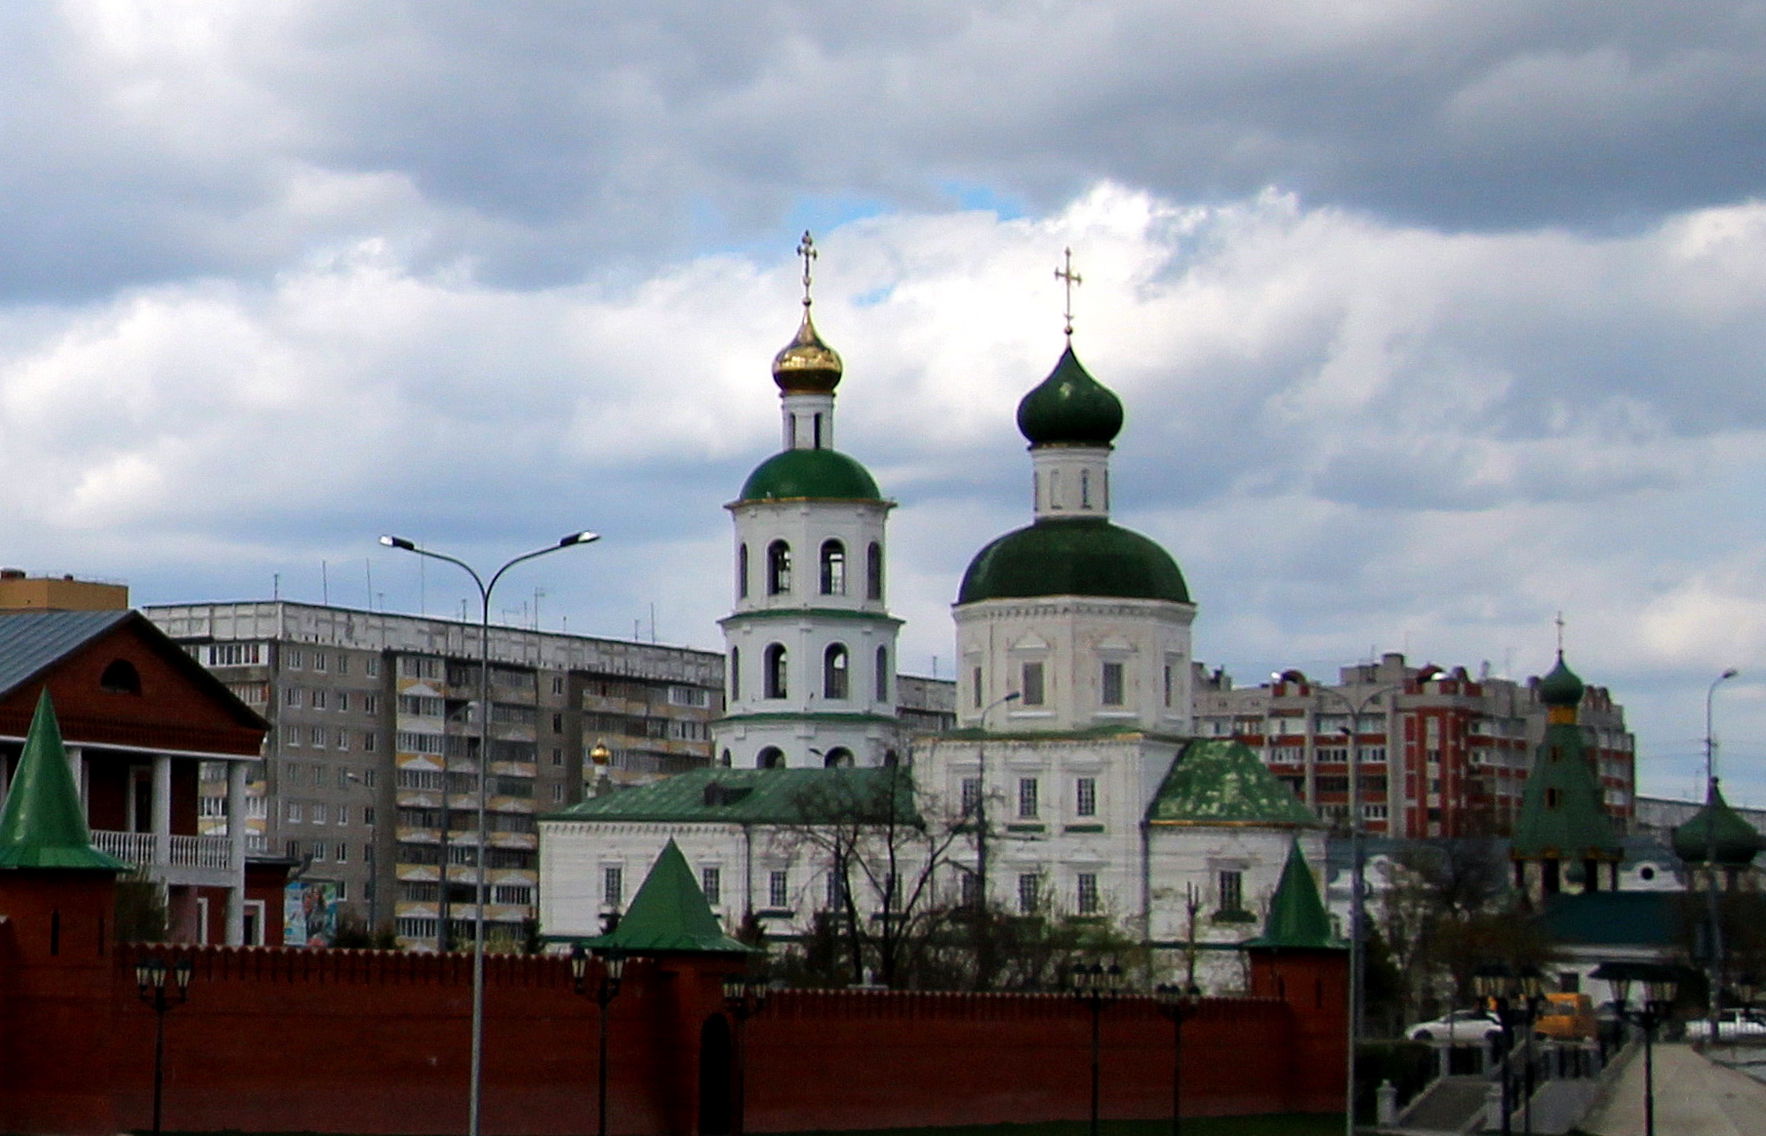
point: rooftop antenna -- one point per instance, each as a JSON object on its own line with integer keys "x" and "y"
{"x": 368, "y": 567}
{"x": 324, "y": 585}
{"x": 1067, "y": 276}
{"x": 275, "y": 585}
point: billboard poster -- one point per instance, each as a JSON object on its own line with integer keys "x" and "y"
{"x": 309, "y": 913}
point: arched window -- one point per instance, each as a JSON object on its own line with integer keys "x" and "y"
{"x": 772, "y": 757}
{"x": 120, "y": 677}
{"x": 838, "y": 758}
{"x": 834, "y": 672}
{"x": 874, "y": 571}
{"x": 882, "y": 674}
{"x": 726, "y": 759}
{"x": 742, "y": 571}
{"x": 735, "y": 674}
{"x": 776, "y": 685}
{"x": 833, "y": 568}
{"x": 778, "y": 568}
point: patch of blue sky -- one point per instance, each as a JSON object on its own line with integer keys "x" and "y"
{"x": 970, "y": 195}
{"x": 824, "y": 214}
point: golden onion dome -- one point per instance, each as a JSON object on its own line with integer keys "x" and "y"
{"x": 807, "y": 365}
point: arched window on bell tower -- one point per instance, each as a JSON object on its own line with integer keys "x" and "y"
{"x": 778, "y": 568}
{"x": 833, "y": 568}
{"x": 836, "y": 671}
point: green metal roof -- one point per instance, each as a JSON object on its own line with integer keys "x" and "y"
{"x": 1561, "y": 687}
{"x": 1561, "y": 816}
{"x": 43, "y": 824}
{"x": 1221, "y": 781}
{"x": 1737, "y": 841}
{"x": 1613, "y": 918}
{"x": 1297, "y": 916}
{"x": 1079, "y": 557}
{"x": 1070, "y": 407}
{"x": 826, "y": 475}
{"x": 669, "y": 914}
{"x": 758, "y": 796}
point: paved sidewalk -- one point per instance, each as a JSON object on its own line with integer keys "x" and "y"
{"x": 1693, "y": 1098}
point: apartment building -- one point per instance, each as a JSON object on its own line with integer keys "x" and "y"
{"x": 371, "y": 771}
{"x": 1438, "y": 752}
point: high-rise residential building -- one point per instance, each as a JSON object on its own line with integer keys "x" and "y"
{"x": 1439, "y": 752}
{"x": 371, "y": 771}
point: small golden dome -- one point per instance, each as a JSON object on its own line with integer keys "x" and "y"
{"x": 807, "y": 365}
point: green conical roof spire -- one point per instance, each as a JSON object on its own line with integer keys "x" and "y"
{"x": 1297, "y": 916}
{"x": 43, "y": 824}
{"x": 1736, "y": 843}
{"x": 669, "y": 913}
{"x": 1561, "y": 816}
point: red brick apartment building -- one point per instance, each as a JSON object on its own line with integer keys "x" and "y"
{"x": 1440, "y": 753}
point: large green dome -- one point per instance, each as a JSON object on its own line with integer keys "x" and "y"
{"x": 1736, "y": 843}
{"x": 1070, "y": 407}
{"x": 796, "y": 474}
{"x": 1083, "y": 557}
{"x": 1561, "y": 687}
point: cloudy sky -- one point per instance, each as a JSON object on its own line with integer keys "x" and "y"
{"x": 1432, "y": 319}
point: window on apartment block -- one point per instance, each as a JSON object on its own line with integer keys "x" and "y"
{"x": 1112, "y": 684}
{"x": 1086, "y": 893}
{"x": 291, "y": 696}
{"x": 711, "y": 882}
{"x": 1085, "y": 797}
{"x": 1027, "y": 798}
{"x": 778, "y": 889}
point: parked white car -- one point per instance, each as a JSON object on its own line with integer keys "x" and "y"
{"x": 1737, "y": 1025}
{"x": 1460, "y": 1026}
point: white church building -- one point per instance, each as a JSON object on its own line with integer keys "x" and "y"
{"x": 1072, "y": 771}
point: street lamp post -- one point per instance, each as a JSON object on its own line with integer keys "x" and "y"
{"x": 981, "y": 796}
{"x": 606, "y": 990}
{"x": 745, "y": 997}
{"x": 1516, "y": 997}
{"x": 1097, "y": 987}
{"x": 1357, "y": 882}
{"x": 150, "y": 985}
{"x": 373, "y": 856}
{"x": 1178, "y": 1003}
{"x": 484, "y": 764}
{"x": 1711, "y": 904}
{"x": 1660, "y": 985}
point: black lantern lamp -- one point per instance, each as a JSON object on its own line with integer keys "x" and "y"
{"x": 1177, "y": 1003}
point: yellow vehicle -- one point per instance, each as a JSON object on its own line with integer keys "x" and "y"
{"x": 1565, "y": 1017}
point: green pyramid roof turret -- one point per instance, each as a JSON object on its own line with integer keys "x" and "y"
{"x": 1736, "y": 841}
{"x": 1561, "y": 816}
{"x": 1219, "y": 781}
{"x": 1297, "y": 916}
{"x": 669, "y": 914}
{"x": 43, "y": 824}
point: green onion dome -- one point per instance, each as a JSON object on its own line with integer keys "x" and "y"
{"x": 1070, "y": 407}
{"x": 1737, "y": 842}
{"x": 1561, "y": 687}
{"x": 1073, "y": 557}
{"x": 823, "y": 474}
{"x": 807, "y": 365}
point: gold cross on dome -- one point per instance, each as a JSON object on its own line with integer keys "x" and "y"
{"x": 806, "y": 248}
{"x": 1067, "y": 276}
{"x": 1560, "y": 622}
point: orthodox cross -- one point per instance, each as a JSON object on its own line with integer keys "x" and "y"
{"x": 1067, "y": 276}
{"x": 806, "y": 248}
{"x": 1560, "y": 622}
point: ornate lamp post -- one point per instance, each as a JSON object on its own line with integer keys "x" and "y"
{"x": 606, "y": 990}
{"x": 150, "y": 985}
{"x": 1661, "y": 984}
{"x": 571, "y": 540}
{"x": 1516, "y": 996}
{"x": 745, "y": 997}
{"x": 1178, "y": 1003}
{"x": 1097, "y": 987}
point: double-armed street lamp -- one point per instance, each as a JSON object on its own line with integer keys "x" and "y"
{"x": 1515, "y": 995}
{"x": 151, "y": 973}
{"x": 605, "y": 991}
{"x": 744, "y": 997}
{"x": 1661, "y": 985}
{"x": 1096, "y": 986}
{"x": 1178, "y": 1003}
{"x": 485, "y": 589}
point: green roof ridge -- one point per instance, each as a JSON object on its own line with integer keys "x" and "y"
{"x": 1221, "y": 781}
{"x": 669, "y": 913}
{"x": 753, "y": 796}
{"x": 1561, "y": 816}
{"x": 43, "y": 824}
{"x": 1297, "y": 916}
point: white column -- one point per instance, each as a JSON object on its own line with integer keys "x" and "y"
{"x": 236, "y": 835}
{"x": 162, "y": 807}
{"x": 76, "y": 764}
